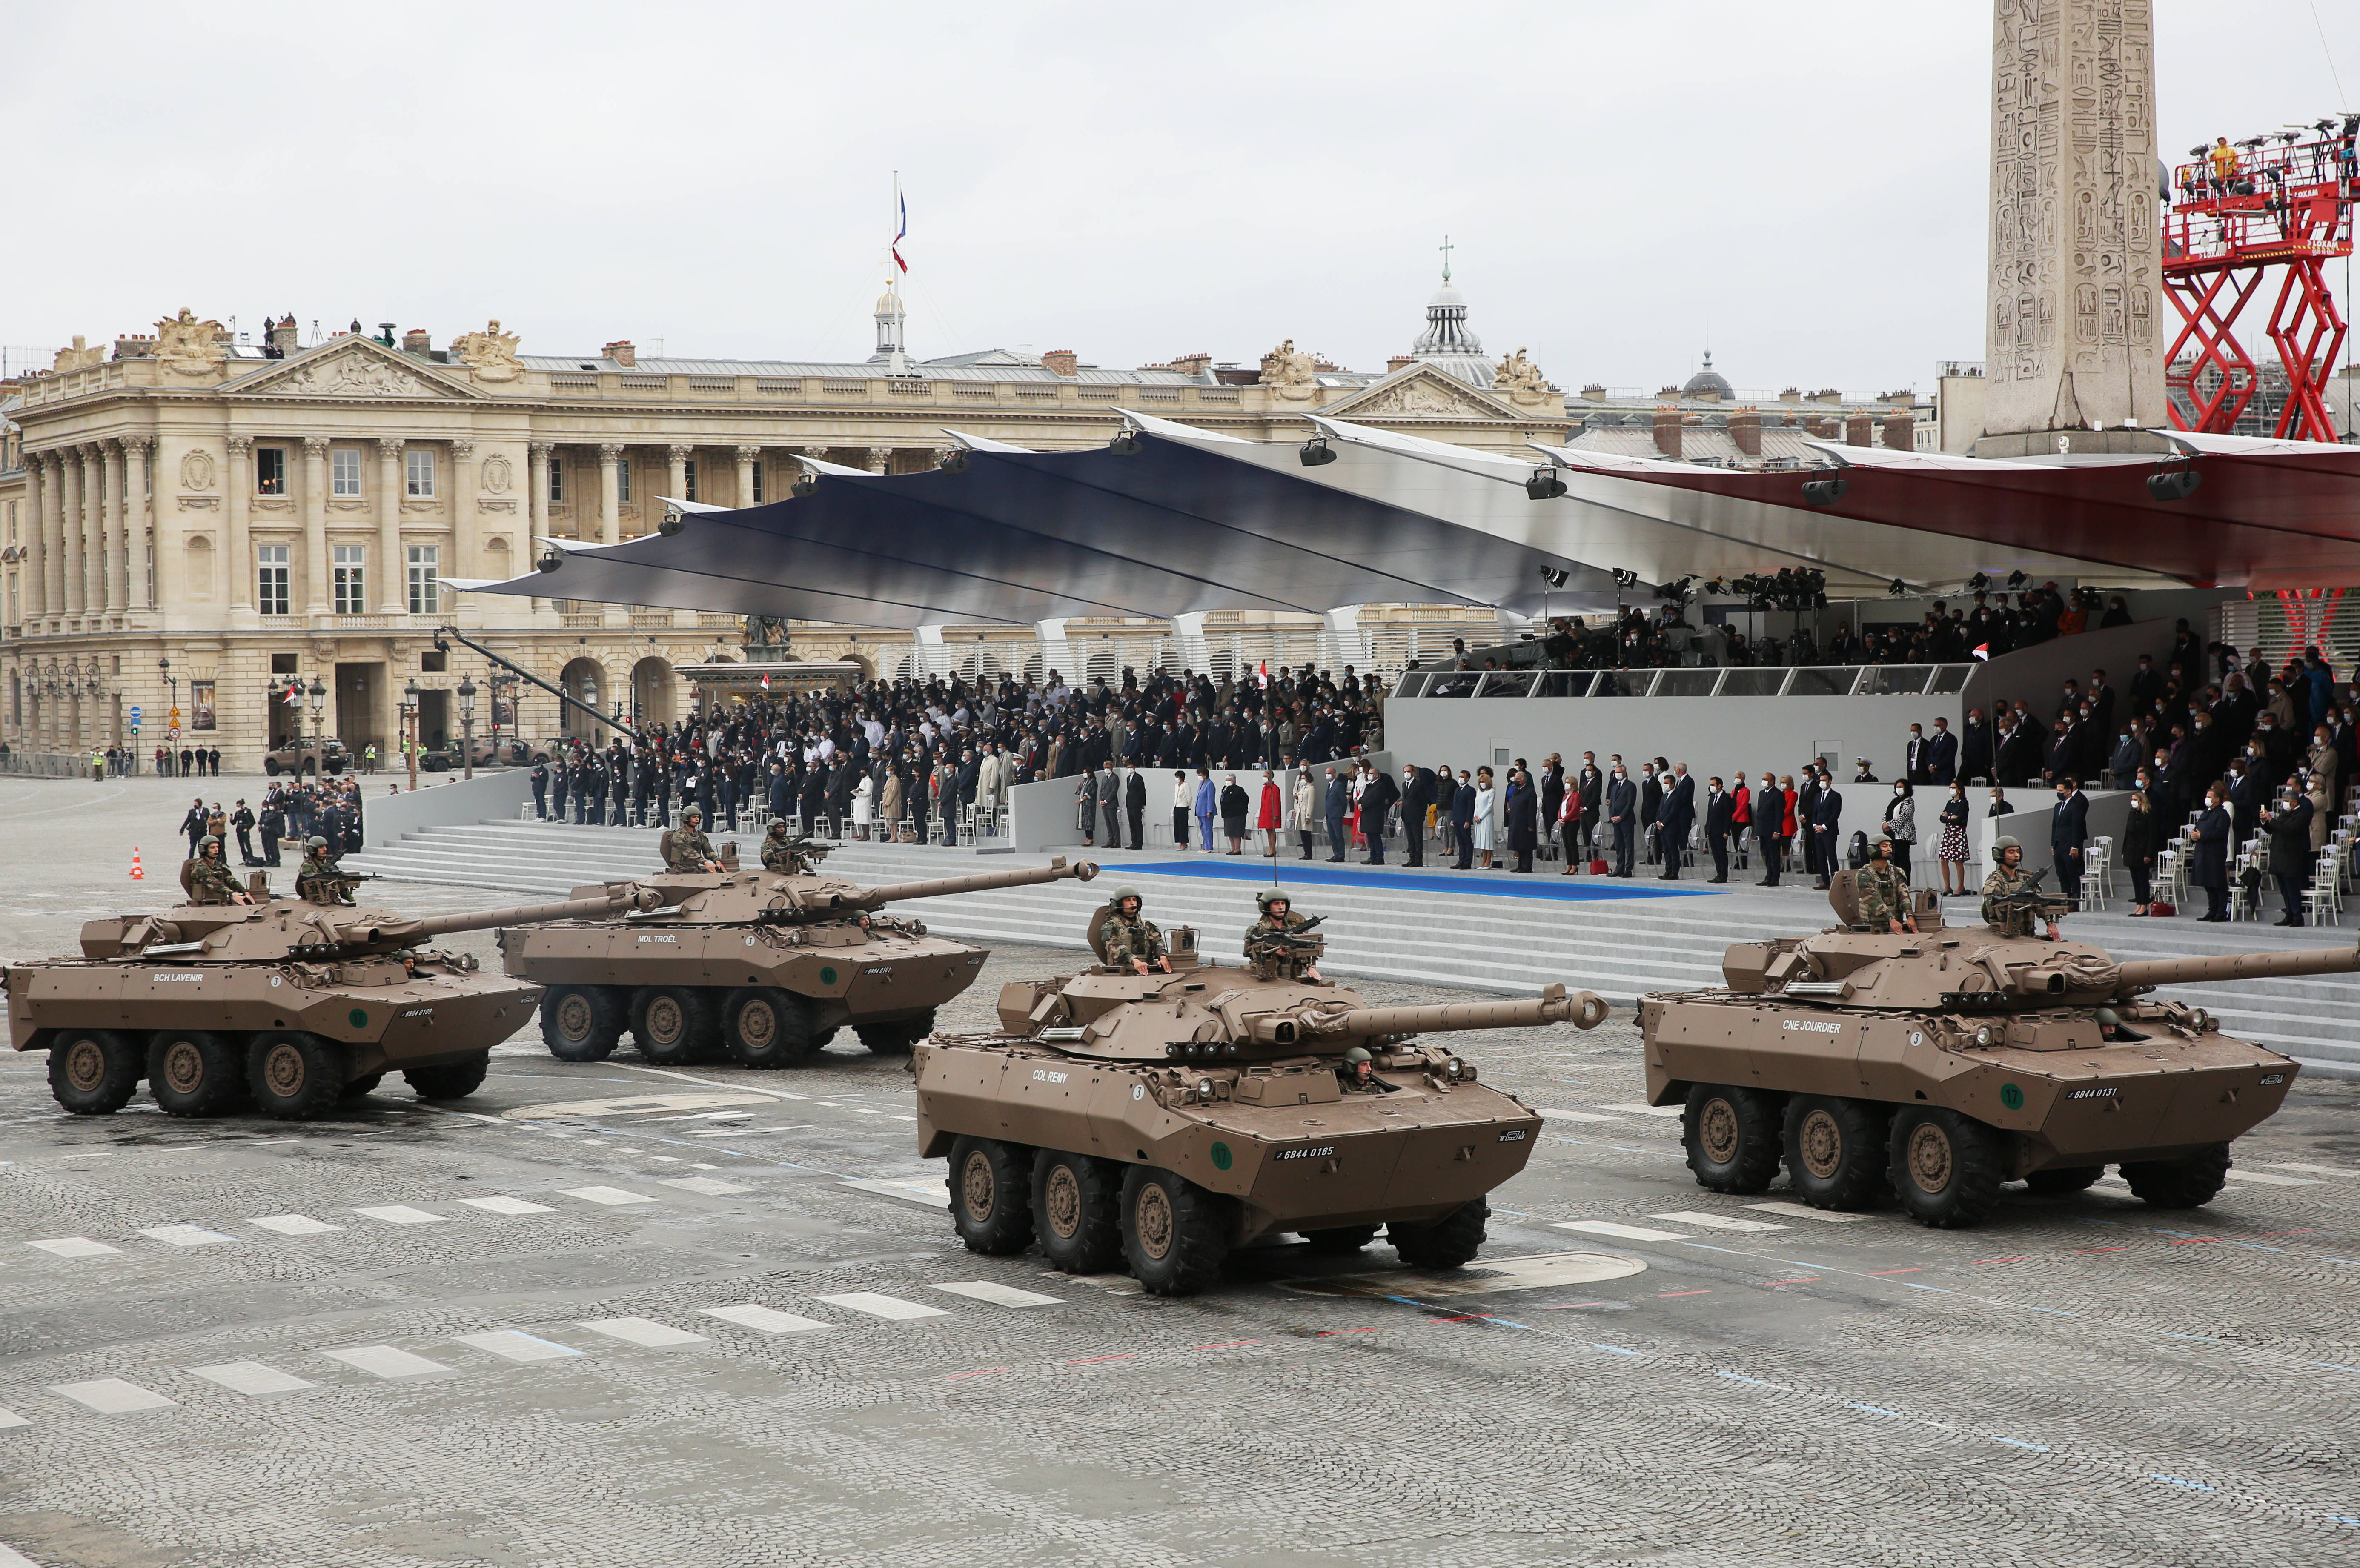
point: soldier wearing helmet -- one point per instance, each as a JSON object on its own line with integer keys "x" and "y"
{"x": 1884, "y": 895}
{"x": 211, "y": 881}
{"x": 783, "y": 853}
{"x": 320, "y": 879}
{"x": 686, "y": 848}
{"x": 2008, "y": 878}
{"x": 1134, "y": 941}
{"x": 1278, "y": 917}
{"x": 1358, "y": 1072}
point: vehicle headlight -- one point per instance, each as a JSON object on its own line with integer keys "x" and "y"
{"x": 1204, "y": 1088}
{"x": 1984, "y": 1036}
{"x": 2199, "y": 1021}
{"x": 1455, "y": 1067}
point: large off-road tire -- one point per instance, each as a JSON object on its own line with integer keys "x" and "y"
{"x": 674, "y": 1024}
{"x": 765, "y": 1027}
{"x": 1175, "y": 1233}
{"x": 196, "y": 1072}
{"x": 361, "y": 1088}
{"x": 1945, "y": 1167}
{"x": 1450, "y": 1241}
{"x": 296, "y": 1076}
{"x": 450, "y": 1080}
{"x": 1076, "y": 1211}
{"x": 2189, "y": 1183}
{"x": 582, "y": 1023}
{"x": 271, "y": 767}
{"x": 2062, "y": 1181}
{"x": 93, "y": 1072}
{"x": 1837, "y": 1151}
{"x": 1342, "y": 1240}
{"x": 991, "y": 1195}
{"x": 895, "y": 1039}
{"x": 1731, "y": 1137}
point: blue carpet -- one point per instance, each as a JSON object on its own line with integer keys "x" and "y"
{"x": 1549, "y": 884}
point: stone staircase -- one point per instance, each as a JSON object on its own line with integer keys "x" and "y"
{"x": 1473, "y": 938}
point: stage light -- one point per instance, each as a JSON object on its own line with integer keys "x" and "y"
{"x": 1125, "y": 443}
{"x": 1544, "y": 485}
{"x": 806, "y": 484}
{"x": 2173, "y": 483}
{"x": 1625, "y": 578}
{"x": 672, "y": 523}
{"x": 954, "y": 461}
{"x": 1897, "y": 588}
{"x": 1824, "y": 492}
{"x": 550, "y": 559}
{"x": 1555, "y": 577}
{"x": 1316, "y": 451}
{"x": 2015, "y": 582}
{"x": 1980, "y": 583}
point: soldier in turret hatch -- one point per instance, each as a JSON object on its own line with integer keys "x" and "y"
{"x": 211, "y": 881}
{"x": 785, "y": 854}
{"x": 1278, "y": 918}
{"x": 320, "y": 879}
{"x": 1884, "y": 895}
{"x": 2008, "y": 879}
{"x": 1132, "y": 942}
{"x": 687, "y": 847}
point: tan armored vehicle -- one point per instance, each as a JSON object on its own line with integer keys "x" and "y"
{"x": 1938, "y": 1065}
{"x": 759, "y": 965}
{"x": 293, "y": 1003}
{"x": 1160, "y": 1119}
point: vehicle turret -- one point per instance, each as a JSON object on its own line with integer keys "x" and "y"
{"x": 280, "y": 929}
{"x": 773, "y": 898}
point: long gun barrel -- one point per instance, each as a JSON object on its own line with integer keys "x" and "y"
{"x": 2145, "y": 973}
{"x": 1583, "y": 1009}
{"x": 940, "y": 886}
{"x": 405, "y": 932}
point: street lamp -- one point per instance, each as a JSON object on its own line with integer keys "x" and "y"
{"x": 467, "y": 726}
{"x": 319, "y": 695}
{"x": 409, "y": 729}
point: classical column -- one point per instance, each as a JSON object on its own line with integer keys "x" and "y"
{"x": 69, "y": 528}
{"x": 610, "y": 506}
{"x": 118, "y": 539}
{"x": 676, "y": 481}
{"x": 139, "y": 482}
{"x": 315, "y": 524}
{"x": 881, "y": 459}
{"x": 236, "y": 555}
{"x": 53, "y": 538}
{"x": 466, "y": 528}
{"x": 94, "y": 528}
{"x": 747, "y": 456}
{"x": 537, "y": 480}
{"x": 389, "y": 525}
{"x": 37, "y": 539}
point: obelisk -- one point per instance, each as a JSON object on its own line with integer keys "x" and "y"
{"x": 2072, "y": 340}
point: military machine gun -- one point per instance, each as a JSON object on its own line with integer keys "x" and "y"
{"x": 2033, "y": 902}
{"x": 1286, "y": 953}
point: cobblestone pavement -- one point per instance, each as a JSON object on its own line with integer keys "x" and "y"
{"x": 527, "y": 1333}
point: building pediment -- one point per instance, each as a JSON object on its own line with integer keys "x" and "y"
{"x": 352, "y": 367}
{"x": 1419, "y": 392}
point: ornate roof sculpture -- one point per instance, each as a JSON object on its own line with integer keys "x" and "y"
{"x": 1449, "y": 344}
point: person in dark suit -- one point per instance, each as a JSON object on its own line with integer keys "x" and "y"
{"x": 1651, "y": 806}
{"x": 1552, "y": 795}
{"x": 1807, "y": 804}
{"x": 540, "y": 791}
{"x": 1975, "y": 748}
{"x": 2290, "y": 852}
{"x": 1134, "y": 805}
{"x": 1463, "y": 819}
{"x": 1523, "y": 819}
{"x": 1941, "y": 754}
{"x": 1675, "y": 818}
{"x": 1623, "y": 818}
{"x": 1917, "y": 758}
{"x": 1338, "y": 804}
{"x": 1418, "y": 795}
{"x": 1719, "y": 823}
{"x": 1770, "y": 809}
{"x": 1375, "y": 802}
{"x": 1827, "y": 824}
{"x": 2068, "y": 830}
{"x": 2211, "y": 868}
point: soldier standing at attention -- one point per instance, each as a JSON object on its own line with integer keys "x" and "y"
{"x": 1278, "y": 917}
{"x": 688, "y": 849}
{"x": 320, "y": 879}
{"x": 1884, "y": 895}
{"x": 211, "y": 881}
{"x": 2009, "y": 877}
{"x": 1134, "y": 941}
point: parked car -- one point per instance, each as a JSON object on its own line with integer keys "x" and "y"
{"x": 445, "y": 759}
{"x": 291, "y": 758}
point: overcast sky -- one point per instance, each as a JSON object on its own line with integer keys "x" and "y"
{"x": 1805, "y": 184}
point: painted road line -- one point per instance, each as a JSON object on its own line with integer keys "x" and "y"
{"x": 1542, "y": 1271}
{"x": 7, "y": 1418}
{"x": 2313, "y": 1170}
{"x": 1001, "y": 1295}
{"x": 876, "y": 1305}
{"x": 13, "y": 1559}
{"x": 1715, "y": 1221}
{"x": 400, "y": 1213}
{"x": 185, "y": 1234}
{"x": 252, "y": 1378}
{"x": 643, "y": 1331}
{"x": 518, "y": 1346}
{"x": 294, "y": 1224}
{"x": 384, "y": 1361}
{"x": 934, "y": 1192}
{"x": 1556, "y": 1116}
{"x": 706, "y": 1185}
{"x": 1634, "y": 1108}
{"x": 1805, "y": 1211}
{"x": 83, "y": 1246}
{"x": 566, "y": 1110}
{"x": 765, "y": 1320}
{"x": 1623, "y": 1232}
{"x": 614, "y": 1196}
{"x": 112, "y": 1396}
{"x": 2243, "y": 1175}
{"x": 507, "y": 1207}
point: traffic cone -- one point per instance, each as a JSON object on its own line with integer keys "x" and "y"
{"x": 137, "y": 874}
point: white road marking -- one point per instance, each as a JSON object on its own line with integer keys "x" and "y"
{"x": 610, "y": 1196}
{"x": 1001, "y": 1295}
{"x": 1557, "y": 1115}
{"x": 700, "y": 1165}
{"x": 1623, "y": 1232}
{"x": 1805, "y": 1211}
{"x": 876, "y": 1305}
{"x": 642, "y": 1331}
{"x": 1482, "y": 1278}
{"x": 518, "y": 1346}
{"x": 507, "y": 1207}
{"x": 400, "y": 1213}
{"x": 630, "y": 1105}
{"x": 294, "y": 1224}
{"x": 9, "y": 1419}
{"x": 905, "y": 1118}
{"x": 764, "y": 1320}
{"x": 707, "y": 1185}
{"x": 83, "y": 1246}
{"x": 2243, "y": 1175}
{"x": 112, "y": 1396}
{"x": 185, "y": 1234}
{"x": 1636, "y": 1109}
{"x": 384, "y": 1361}
{"x": 2314, "y": 1169}
{"x": 1715, "y": 1221}
{"x": 252, "y": 1378}
{"x": 935, "y": 1195}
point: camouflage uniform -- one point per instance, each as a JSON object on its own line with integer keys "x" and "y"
{"x": 690, "y": 850}
{"x": 321, "y": 879}
{"x": 778, "y": 853}
{"x": 1290, "y": 967}
{"x": 1884, "y": 896}
{"x": 1137, "y": 938}
{"x": 213, "y": 882}
{"x": 1998, "y": 884}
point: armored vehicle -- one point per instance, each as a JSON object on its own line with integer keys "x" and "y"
{"x": 1160, "y": 1119}
{"x": 293, "y": 1003}
{"x": 1938, "y": 1065}
{"x": 759, "y": 965}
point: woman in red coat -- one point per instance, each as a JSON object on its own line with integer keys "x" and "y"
{"x": 1266, "y": 820}
{"x": 1741, "y": 818}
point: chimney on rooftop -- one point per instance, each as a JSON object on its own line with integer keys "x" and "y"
{"x": 415, "y": 341}
{"x": 1745, "y": 430}
{"x": 283, "y": 337}
{"x": 1859, "y": 430}
{"x": 1667, "y": 432}
{"x": 623, "y": 354}
{"x": 1901, "y": 432}
{"x": 1188, "y": 364}
{"x": 1058, "y": 362}
{"x": 1398, "y": 360}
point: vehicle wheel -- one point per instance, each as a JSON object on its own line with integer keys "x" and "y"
{"x": 766, "y": 1027}
{"x": 295, "y": 1076}
{"x": 1837, "y": 1151}
{"x": 2058, "y": 1181}
{"x": 93, "y": 1072}
{"x": 1076, "y": 1211}
{"x": 674, "y": 1023}
{"x": 1175, "y": 1233}
{"x": 581, "y": 1023}
{"x": 1946, "y": 1168}
{"x": 269, "y": 767}
{"x": 362, "y": 1088}
{"x": 450, "y": 1080}
{"x": 196, "y": 1072}
{"x": 1342, "y": 1239}
{"x": 1448, "y": 1243}
{"x": 895, "y": 1039}
{"x": 991, "y": 1195}
{"x": 2185, "y": 1184}
{"x": 1731, "y": 1137}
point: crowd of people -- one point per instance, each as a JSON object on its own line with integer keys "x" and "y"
{"x": 297, "y": 811}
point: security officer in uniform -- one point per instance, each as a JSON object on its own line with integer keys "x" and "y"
{"x": 691, "y": 850}
{"x": 1884, "y": 895}
{"x": 1278, "y": 916}
{"x": 2008, "y": 877}
{"x": 211, "y": 881}
{"x": 320, "y": 879}
{"x": 1134, "y": 941}
{"x": 782, "y": 854}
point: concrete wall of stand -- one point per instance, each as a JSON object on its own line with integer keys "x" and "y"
{"x": 450, "y": 802}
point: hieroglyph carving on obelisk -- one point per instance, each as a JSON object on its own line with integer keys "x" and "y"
{"x": 2074, "y": 339}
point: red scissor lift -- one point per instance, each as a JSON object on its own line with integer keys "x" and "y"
{"x": 2288, "y": 205}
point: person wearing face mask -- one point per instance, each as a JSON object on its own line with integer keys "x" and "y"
{"x": 1463, "y": 819}
{"x": 2246, "y": 797}
{"x": 2291, "y": 855}
{"x": 1651, "y": 805}
{"x": 1827, "y": 829}
{"x": 1486, "y": 798}
{"x": 1719, "y": 821}
{"x": 2068, "y": 830}
{"x": 2143, "y": 835}
{"x": 2210, "y": 870}
{"x": 1951, "y": 848}
{"x": 1622, "y": 817}
{"x": 1901, "y": 823}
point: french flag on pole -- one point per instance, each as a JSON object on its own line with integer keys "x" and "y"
{"x": 902, "y": 205}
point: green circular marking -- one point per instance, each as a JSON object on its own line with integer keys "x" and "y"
{"x": 827, "y": 977}
{"x": 2011, "y": 1097}
{"x": 357, "y": 1019}
{"x": 1222, "y": 1158}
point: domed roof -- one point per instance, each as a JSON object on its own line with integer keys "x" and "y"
{"x": 888, "y": 303}
{"x": 1448, "y": 343}
{"x": 1707, "y": 382}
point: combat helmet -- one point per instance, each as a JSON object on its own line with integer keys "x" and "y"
{"x": 315, "y": 842}
{"x": 1127, "y": 891}
{"x": 1357, "y": 1055}
{"x": 212, "y": 839}
{"x": 694, "y": 814}
{"x": 1264, "y": 897}
{"x": 2004, "y": 843}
